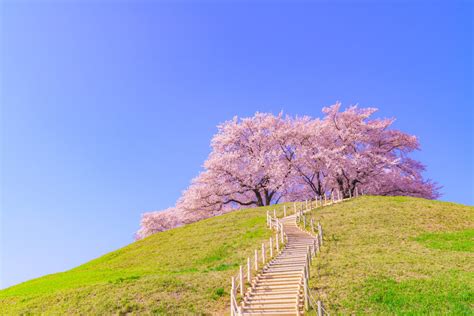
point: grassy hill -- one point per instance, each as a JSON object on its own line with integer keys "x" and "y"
{"x": 396, "y": 255}
{"x": 382, "y": 255}
{"x": 180, "y": 271}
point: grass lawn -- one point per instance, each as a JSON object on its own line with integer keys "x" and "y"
{"x": 182, "y": 271}
{"x": 382, "y": 255}
{"x": 396, "y": 255}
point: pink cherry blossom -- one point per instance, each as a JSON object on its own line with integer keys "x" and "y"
{"x": 266, "y": 159}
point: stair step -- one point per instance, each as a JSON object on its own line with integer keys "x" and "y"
{"x": 280, "y": 272}
{"x": 295, "y": 272}
{"x": 274, "y": 308}
{"x": 276, "y": 287}
{"x": 271, "y": 284}
{"x": 276, "y": 269}
{"x": 270, "y": 301}
{"x": 287, "y": 264}
{"x": 268, "y": 313}
{"x": 276, "y": 298}
{"x": 272, "y": 312}
{"x": 297, "y": 279}
{"x": 281, "y": 278}
{"x": 268, "y": 292}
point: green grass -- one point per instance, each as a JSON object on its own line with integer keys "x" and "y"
{"x": 457, "y": 241}
{"x": 396, "y": 256}
{"x": 186, "y": 270}
{"x": 446, "y": 293}
{"x": 382, "y": 256}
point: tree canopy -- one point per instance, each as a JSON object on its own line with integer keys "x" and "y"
{"x": 266, "y": 159}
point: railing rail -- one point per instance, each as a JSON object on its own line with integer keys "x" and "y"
{"x": 276, "y": 245}
{"x": 317, "y": 232}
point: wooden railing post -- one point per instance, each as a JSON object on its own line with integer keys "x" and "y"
{"x": 249, "y": 272}
{"x": 309, "y": 254}
{"x": 256, "y": 260}
{"x": 277, "y": 241}
{"x": 325, "y": 200}
{"x": 241, "y": 277}
{"x": 268, "y": 218}
{"x": 271, "y": 247}
{"x": 263, "y": 254}
{"x": 320, "y": 233}
{"x": 274, "y": 213}
{"x": 284, "y": 210}
{"x": 312, "y": 225}
{"x": 282, "y": 236}
{"x": 306, "y": 292}
{"x": 308, "y": 258}
{"x": 298, "y": 301}
{"x": 320, "y": 308}
{"x": 232, "y": 297}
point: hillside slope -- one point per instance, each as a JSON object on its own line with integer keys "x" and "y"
{"x": 180, "y": 271}
{"x": 396, "y": 255}
{"x": 382, "y": 255}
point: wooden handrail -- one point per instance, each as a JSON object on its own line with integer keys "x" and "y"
{"x": 309, "y": 300}
{"x": 281, "y": 238}
{"x": 238, "y": 283}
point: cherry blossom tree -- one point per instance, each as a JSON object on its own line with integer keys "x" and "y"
{"x": 311, "y": 163}
{"x": 266, "y": 159}
{"x": 404, "y": 178}
{"x": 365, "y": 151}
{"x": 247, "y": 165}
{"x": 158, "y": 221}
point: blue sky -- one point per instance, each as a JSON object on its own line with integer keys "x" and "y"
{"x": 108, "y": 107}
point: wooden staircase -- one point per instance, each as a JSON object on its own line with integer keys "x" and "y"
{"x": 278, "y": 289}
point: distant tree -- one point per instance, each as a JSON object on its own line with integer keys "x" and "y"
{"x": 158, "y": 221}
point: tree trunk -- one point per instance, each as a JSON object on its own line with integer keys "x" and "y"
{"x": 259, "y": 197}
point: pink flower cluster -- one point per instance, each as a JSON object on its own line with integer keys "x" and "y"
{"x": 268, "y": 158}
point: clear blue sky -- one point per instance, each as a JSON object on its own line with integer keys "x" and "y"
{"x": 108, "y": 107}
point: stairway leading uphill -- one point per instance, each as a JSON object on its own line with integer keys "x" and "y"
{"x": 278, "y": 290}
